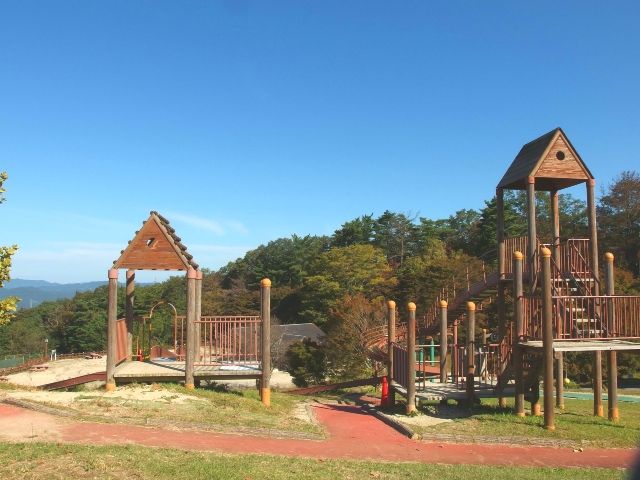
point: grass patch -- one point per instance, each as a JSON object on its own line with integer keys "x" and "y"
{"x": 51, "y": 461}
{"x": 575, "y": 423}
{"x": 212, "y": 408}
{"x": 6, "y": 386}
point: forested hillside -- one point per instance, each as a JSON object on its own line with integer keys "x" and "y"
{"x": 340, "y": 282}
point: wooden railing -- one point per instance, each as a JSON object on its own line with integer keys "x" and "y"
{"x": 585, "y": 317}
{"x": 232, "y": 339}
{"x": 575, "y": 258}
{"x": 515, "y": 244}
{"x": 400, "y": 363}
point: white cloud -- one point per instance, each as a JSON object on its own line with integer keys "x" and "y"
{"x": 218, "y": 228}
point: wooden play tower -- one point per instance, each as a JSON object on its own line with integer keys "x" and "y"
{"x": 560, "y": 304}
{"x": 206, "y": 347}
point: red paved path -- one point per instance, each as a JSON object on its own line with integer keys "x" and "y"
{"x": 353, "y": 434}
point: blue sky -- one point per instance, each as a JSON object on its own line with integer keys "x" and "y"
{"x": 246, "y": 121}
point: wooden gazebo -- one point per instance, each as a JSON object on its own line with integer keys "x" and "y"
{"x": 220, "y": 347}
{"x": 154, "y": 247}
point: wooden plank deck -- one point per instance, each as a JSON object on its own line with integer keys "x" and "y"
{"x": 435, "y": 392}
{"x": 174, "y": 371}
{"x": 585, "y": 345}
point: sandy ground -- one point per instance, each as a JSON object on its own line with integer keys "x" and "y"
{"x": 420, "y": 420}
{"x": 138, "y": 392}
{"x": 69, "y": 368}
{"x": 279, "y": 380}
{"x": 59, "y": 370}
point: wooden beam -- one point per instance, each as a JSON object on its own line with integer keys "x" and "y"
{"x": 112, "y": 316}
{"x": 533, "y": 240}
{"x": 265, "y": 313}
{"x": 411, "y": 359}
{"x": 129, "y": 312}
{"x": 547, "y": 339}
{"x": 191, "y": 314}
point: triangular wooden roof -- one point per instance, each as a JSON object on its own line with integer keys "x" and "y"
{"x": 155, "y": 247}
{"x": 551, "y": 160}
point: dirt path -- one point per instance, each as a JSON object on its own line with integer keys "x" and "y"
{"x": 353, "y": 434}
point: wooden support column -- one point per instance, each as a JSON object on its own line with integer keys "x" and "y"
{"x": 547, "y": 339}
{"x": 112, "y": 340}
{"x": 265, "y": 314}
{"x": 500, "y": 231}
{"x": 502, "y": 259}
{"x": 471, "y": 349}
{"x": 443, "y": 341}
{"x": 454, "y": 354}
{"x": 612, "y": 355}
{"x": 128, "y": 310}
{"x": 518, "y": 332}
{"x": 198, "y": 315}
{"x": 391, "y": 338}
{"x": 411, "y": 359}
{"x": 532, "y": 229}
{"x": 555, "y": 220}
{"x": 598, "y": 409}
{"x": 191, "y": 315}
{"x": 593, "y": 231}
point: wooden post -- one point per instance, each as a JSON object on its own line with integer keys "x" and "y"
{"x": 443, "y": 341}
{"x": 470, "y": 357}
{"x": 391, "y": 338}
{"x": 189, "y": 381}
{"x": 198, "y": 315}
{"x": 555, "y": 220}
{"x": 411, "y": 359}
{"x": 518, "y": 332}
{"x": 128, "y": 310}
{"x": 454, "y": 354}
{"x": 532, "y": 240}
{"x": 265, "y": 313}
{"x": 612, "y": 355}
{"x": 547, "y": 339}
{"x": 112, "y": 339}
{"x": 593, "y": 231}
{"x": 598, "y": 409}
{"x": 500, "y": 231}
{"x": 502, "y": 259}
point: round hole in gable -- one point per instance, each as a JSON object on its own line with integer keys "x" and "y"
{"x": 151, "y": 242}
{"x": 560, "y": 155}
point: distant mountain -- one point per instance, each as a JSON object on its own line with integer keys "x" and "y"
{"x": 34, "y": 292}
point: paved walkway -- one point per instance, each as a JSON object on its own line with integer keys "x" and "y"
{"x": 353, "y": 434}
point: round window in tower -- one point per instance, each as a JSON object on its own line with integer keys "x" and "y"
{"x": 560, "y": 155}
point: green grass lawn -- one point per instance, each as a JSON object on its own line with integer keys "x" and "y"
{"x": 575, "y": 423}
{"x": 51, "y": 461}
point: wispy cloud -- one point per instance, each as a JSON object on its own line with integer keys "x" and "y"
{"x": 71, "y": 250}
{"x": 218, "y": 228}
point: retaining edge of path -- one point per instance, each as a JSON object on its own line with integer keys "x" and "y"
{"x": 392, "y": 422}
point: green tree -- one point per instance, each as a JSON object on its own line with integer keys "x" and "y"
{"x": 396, "y": 235}
{"x": 358, "y": 231}
{"x": 7, "y": 305}
{"x": 619, "y": 220}
{"x": 346, "y": 345}
{"x": 341, "y": 271}
{"x": 306, "y": 363}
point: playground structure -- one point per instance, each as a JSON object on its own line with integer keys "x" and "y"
{"x": 560, "y": 304}
{"x": 204, "y": 347}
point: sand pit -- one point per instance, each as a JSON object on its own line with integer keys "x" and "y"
{"x": 59, "y": 370}
{"x": 149, "y": 393}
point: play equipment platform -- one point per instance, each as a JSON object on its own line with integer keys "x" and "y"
{"x": 174, "y": 371}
